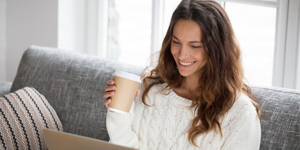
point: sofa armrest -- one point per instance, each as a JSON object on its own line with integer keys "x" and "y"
{"x": 5, "y": 88}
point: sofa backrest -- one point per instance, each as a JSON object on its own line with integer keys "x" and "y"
{"x": 280, "y": 118}
{"x": 5, "y": 88}
{"x": 73, "y": 84}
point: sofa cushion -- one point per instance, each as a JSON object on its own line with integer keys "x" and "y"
{"x": 23, "y": 116}
{"x": 73, "y": 84}
{"x": 4, "y": 88}
{"x": 280, "y": 119}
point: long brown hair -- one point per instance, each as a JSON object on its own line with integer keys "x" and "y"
{"x": 221, "y": 79}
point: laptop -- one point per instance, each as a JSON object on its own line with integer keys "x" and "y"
{"x": 56, "y": 140}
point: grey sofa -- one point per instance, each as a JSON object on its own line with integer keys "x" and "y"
{"x": 74, "y": 84}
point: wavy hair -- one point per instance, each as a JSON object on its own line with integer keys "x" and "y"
{"x": 221, "y": 79}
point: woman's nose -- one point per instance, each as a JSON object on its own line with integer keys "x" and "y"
{"x": 183, "y": 53}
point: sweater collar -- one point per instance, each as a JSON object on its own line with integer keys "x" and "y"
{"x": 173, "y": 97}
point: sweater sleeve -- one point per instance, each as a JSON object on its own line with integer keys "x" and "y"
{"x": 119, "y": 128}
{"x": 247, "y": 135}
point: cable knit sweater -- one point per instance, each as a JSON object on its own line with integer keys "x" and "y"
{"x": 165, "y": 125}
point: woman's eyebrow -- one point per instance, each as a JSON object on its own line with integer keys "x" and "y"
{"x": 195, "y": 42}
{"x": 189, "y": 42}
{"x": 175, "y": 37}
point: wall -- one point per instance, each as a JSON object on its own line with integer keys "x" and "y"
{"x": 2, "y": 40}
{"x": 30, "y": 22}
{"x": 78, "y": 25}
{"x": 71, "y": 25}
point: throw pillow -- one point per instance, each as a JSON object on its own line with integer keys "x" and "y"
{"x": 23, "y": 116}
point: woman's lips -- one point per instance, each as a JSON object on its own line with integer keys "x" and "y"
{"x": 186, "y": 64}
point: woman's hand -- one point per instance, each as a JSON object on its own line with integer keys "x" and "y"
{"x": 110, "y": 90}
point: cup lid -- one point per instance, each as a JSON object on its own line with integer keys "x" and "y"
{"x": 128, "y": 76}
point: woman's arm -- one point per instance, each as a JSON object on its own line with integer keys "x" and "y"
{"x": 119, "y": 125}
{"x": 119, "y": 128}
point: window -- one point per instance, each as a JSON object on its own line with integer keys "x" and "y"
{"x": 255, "y": 32}
{"x": 169, "y": 7}
{"x": 130, "y": 31}
{"x": 129, "y": 34}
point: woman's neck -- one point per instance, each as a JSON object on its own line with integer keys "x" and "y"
{"x": 189, "y": 84}
{"x": 187, "y": 88}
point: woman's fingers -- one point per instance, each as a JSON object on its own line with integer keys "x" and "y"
{"x": 110, "y": 88}
{"x": 106, "y": 102}
{"x": 110, "y": 82}
{"x": 137, "y": 93}
{"x": 108, "y": 94}
{"x": 110, "y": 91}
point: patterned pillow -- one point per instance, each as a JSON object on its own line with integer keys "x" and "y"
{"x": 23, "y": 116}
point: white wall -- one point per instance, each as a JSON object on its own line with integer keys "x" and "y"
{"x": 298, "y": 55}
{"x": 30, "y": 22}
{"x": 2, "y": 40}
{"x": 78, "y": 25}
{"x": 71, "y": 25}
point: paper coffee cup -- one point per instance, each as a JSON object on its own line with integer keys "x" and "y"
{"x": 126, "y": 86}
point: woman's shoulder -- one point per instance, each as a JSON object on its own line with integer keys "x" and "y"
{"x": 242, "y": 106}
{"x": 243, "y": 101}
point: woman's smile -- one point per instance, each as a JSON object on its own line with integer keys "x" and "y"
{"x": 186, "y": 64}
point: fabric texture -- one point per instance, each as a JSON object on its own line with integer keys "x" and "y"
{"x": 165, "y": 124}
{"x": 280, "y": 118}
{"x": 5, "y": 88}
{"x": 23, "y": 116}
{"x": 73, "y": 83}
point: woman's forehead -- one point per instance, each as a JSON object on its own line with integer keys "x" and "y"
{"x": 187, "y": 30}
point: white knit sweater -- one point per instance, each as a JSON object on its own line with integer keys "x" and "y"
{"x": 164, "y": 126}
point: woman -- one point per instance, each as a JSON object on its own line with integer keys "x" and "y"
{"x": 195, "y": 98}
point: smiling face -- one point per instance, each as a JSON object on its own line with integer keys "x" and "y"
{"x": 187, "y": 48}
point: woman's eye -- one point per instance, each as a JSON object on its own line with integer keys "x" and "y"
{"x": 176, "y": 42}
{"x": 196, "y": 46}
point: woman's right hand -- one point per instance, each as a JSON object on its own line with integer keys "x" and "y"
{"x": 110, "y": 90}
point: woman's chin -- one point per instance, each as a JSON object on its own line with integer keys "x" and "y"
{"x": 184, "y": 74}
{"x": 189, "y": 73}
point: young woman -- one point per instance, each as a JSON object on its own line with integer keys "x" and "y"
{"x": 195, "y": 97}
